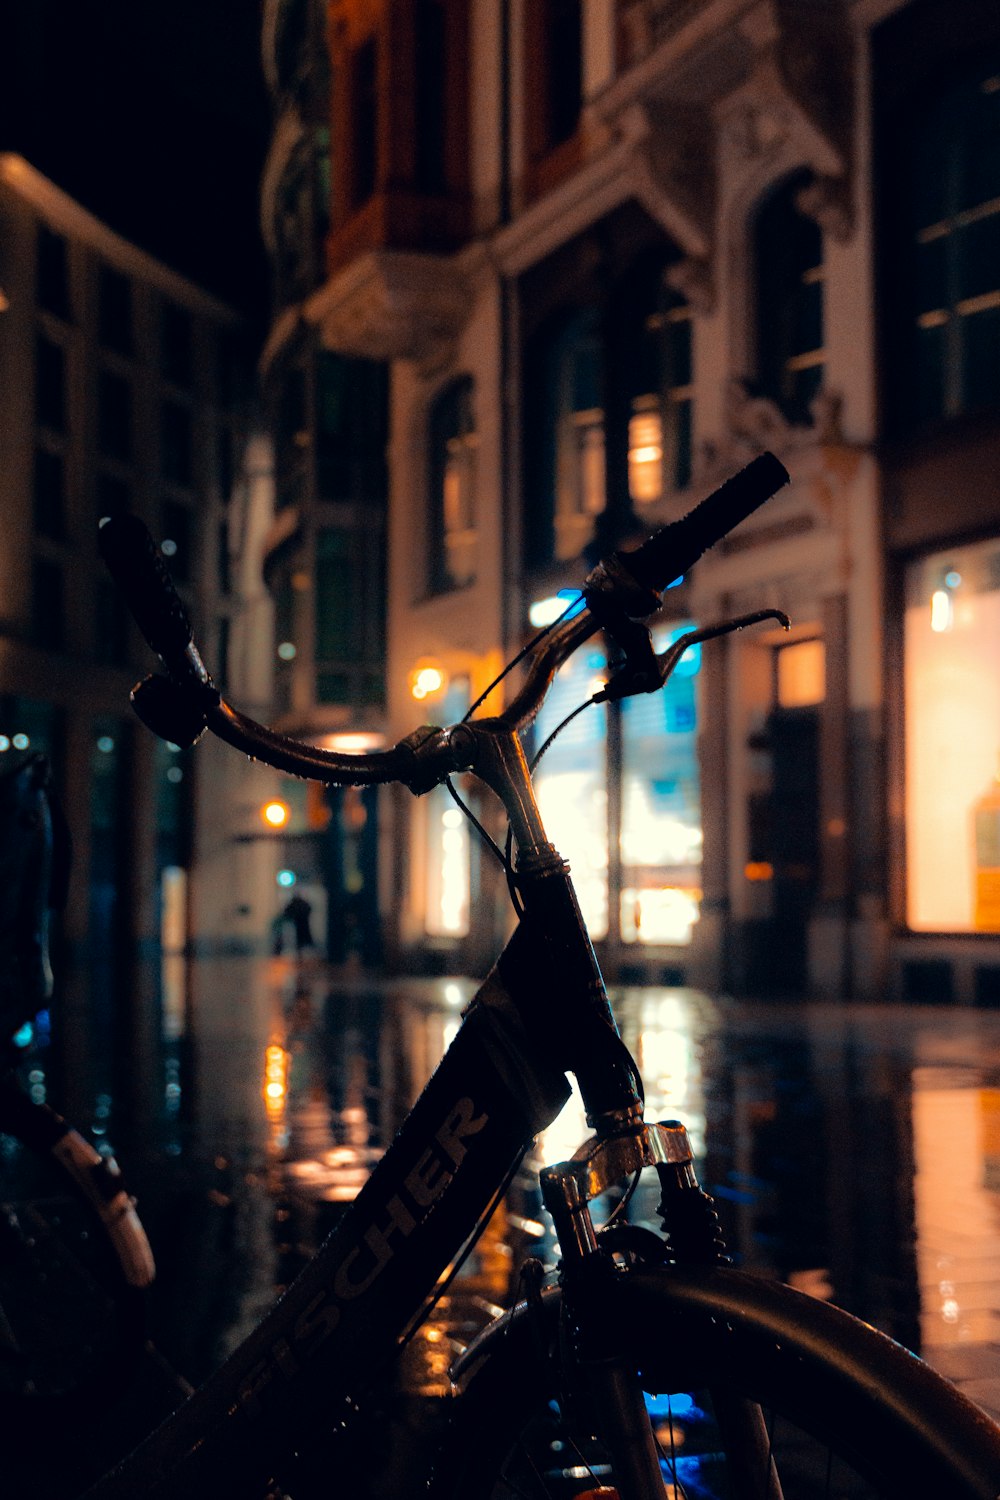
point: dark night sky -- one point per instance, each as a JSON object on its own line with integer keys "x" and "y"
{"x": 153, "y": 114}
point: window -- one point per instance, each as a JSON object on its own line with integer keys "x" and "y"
{"x": 232, "y": 371}
{"x": 571, "y": 783}
{"x": 951, "y": 361}
{"x": 48, "y": 604}
{"x": 447, "y": 904}
{"x": 453, "y": 443}
{"x": 640, "y": 783}
{"x": 223, "y": 561}
{"x": 114, "y": 416}
{"x": 801, "y": 674}
{"x": 788, "y": 250}
{"x": 176, "y": 458}
{"x": 291, "y": 41}
{"x": 225, "y": 446}
{"x": 290, "y": 435}
{"x": 448, "y": 851}
{"x": 430, "y": 67}
{"x": 350, "y": 429}
{"x": 661, "y": 835}
{"x": 576, "y": 407}
{"x": 178, "y": 532}
{"x": 659, "y": 375}
{"x": 364, "y": 122}
{"x": 50, "y": 384}
{"x": 951, "y": 646}
{"x": 175, "y": 344}
{"x": 563, "y": 43}
{"x": 53, "y": 273}
{"x": 111, "y": 629}
{"x": 285, "y": 637}
{"x": 114, "y": 495}
{"x": 114, "y": 315}
{"x": 222, "y": 652}
{"x": 49, "y": 494}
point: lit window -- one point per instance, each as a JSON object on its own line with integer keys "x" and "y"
{"x": 952, "y": 741}
{"x": 571, "y": 785}
{"x": 661, "y": 839}
{"x": 447, "y": 867}
{"x": 801, "y": 674}
{"x": 645, "y": 456}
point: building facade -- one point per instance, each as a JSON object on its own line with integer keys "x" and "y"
{"x": 608, "y": 250}
{"x": 325, "y": 552}
{"x": 125, "y": 388}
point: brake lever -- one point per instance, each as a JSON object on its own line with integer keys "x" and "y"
{"x": 649, "y": 673}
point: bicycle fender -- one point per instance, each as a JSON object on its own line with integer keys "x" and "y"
{"x": 684, "y": 1327}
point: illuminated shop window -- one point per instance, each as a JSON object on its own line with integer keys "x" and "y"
{"x": 571, "y": 784}
{"x": 449, "y": 885}
{"x": 801, "y": 672}
{"x": 447, "y": 866}
{"x": 952, "y": 736}
{"x": 661, "y": 806}
{"x": 658, "y": 782}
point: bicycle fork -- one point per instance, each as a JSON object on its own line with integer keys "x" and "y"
{"x": 610, "y": 1380}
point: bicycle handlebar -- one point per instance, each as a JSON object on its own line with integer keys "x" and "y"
{"x": 670, "y": 552}
{"x": 629, "y": 583}
{"x": 135, "y": 564}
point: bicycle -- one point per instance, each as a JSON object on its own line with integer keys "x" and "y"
{"x": 645, "y": 1365}
{"x": 74, "y": 1257}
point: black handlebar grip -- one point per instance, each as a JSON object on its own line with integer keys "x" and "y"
{"x": 139, "y": 571}
{"x": 670, "y": 552}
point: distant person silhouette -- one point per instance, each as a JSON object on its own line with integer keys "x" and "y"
{"x": 298, "y": 912}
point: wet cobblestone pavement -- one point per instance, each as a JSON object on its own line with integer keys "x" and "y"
{"x": 853, "y": 1152}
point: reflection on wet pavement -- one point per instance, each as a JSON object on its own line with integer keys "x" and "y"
{"x": 852, "y": 1151}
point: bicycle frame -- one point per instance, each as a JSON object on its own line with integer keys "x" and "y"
{"x": 542, "y": 1012}
{"x": 339, "y": 1324}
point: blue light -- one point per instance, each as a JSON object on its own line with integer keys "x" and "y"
{"x": 690, "y": 663}
{"x": 677, "y": 1404}
{"x": 569, "y": 595}
{"x": 676, "y": 583}
{"x": 286, "y": 878}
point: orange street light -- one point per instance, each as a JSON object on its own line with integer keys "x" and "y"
{"x": 275, "y": 814}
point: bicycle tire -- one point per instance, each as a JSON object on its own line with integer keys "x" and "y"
{"x": 888, "y": 1426}
{"x": 74, "y": 1265}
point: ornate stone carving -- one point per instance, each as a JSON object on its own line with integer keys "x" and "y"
{"x": 692, "y": 277}
{"x": 676, "y": 173}
{"x": 755, "y": 422}
{"x": 795, "y": 103}
{"x": 391, "y": 304}
{"x": 827, "y": 200}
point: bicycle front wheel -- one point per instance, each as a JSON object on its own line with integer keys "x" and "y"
{"x": 847, "y": 1412}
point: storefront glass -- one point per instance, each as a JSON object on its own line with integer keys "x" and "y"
{"x": 952, "y": 732}
{"x": 571, "y": 784}
{"x": 658, "y": 780}
{"x": 661, "y": 806}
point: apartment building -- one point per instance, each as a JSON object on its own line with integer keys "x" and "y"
{"x": 602, "y": 252}
{"x": 125, "y": 387}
